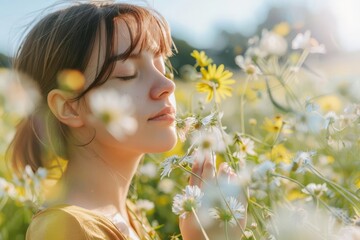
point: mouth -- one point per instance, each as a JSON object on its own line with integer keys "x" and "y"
{"x": 166, "y": 114}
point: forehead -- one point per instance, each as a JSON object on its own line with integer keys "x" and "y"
{"x": 123, "y": 36}
{"x": 130, "y": 36}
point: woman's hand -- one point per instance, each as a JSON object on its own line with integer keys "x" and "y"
{"x": 211, "y": 182}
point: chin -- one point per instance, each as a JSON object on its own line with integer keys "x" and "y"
{"x": 169, "y": 146}
{"x": 164, "y": 143}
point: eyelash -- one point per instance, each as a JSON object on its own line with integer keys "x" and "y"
{"x": 126, "y": 78}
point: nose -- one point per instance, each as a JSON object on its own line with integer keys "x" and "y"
{"x": 162, "y": 87}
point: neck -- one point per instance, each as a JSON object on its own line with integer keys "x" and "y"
{"x": 99, "y": 180}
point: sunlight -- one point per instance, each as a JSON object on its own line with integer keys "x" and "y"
{"x": 346, "y": 13}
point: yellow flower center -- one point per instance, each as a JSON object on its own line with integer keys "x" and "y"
{"x": 206, "y": 144}
{"x": 106, "y": 117}
{"x": 250, "y": 69}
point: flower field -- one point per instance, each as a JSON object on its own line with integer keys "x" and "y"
{"x": 289, "y": 134}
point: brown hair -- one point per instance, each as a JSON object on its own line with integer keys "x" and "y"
{"x": 65, "y": 40}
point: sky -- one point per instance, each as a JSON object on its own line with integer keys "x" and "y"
{"x": 193, "y": 20}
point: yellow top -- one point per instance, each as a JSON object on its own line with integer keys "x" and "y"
{"x": 69, "y": 222}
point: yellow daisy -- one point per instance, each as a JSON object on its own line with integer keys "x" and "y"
{"x": 280, "y": 153}
{"x": 357, "y": 183}
{"x": 283, "y": 29}
{"x": 215, "y": 81}
{"x": 201, "y": 59}
{"x": 71, "y": 80}
{"x": 330, "y": 103}
{"x": 295, "y": 194}
{"x": 273, "y": 125}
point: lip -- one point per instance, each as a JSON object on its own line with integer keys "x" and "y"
{"x": 166, "y": 114}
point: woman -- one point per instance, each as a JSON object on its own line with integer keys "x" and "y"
{"x": 117, "y": 47}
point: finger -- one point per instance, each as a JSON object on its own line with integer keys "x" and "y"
{"x": 224, "y": 169}
{"x": 195, "y": 177}
{"x": 208, "y": 173}
{"x": 233, "y": 177}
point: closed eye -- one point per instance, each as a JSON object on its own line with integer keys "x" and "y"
{"x": 125, "y": 78}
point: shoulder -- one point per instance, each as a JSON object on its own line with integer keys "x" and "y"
{"x": 70, "y": 222}
{"x": 56, "y": 223}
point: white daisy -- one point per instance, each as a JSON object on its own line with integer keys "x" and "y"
{"x": 188, "y": 201}
{"x": 148, "y": 169}
{"x": 20, "y": 93}
{"x": 184, "y": 126}
{"x": 209, "y": 140}
{"x": 230, "y": 213}
{"x": 168, "y": 165}
{"x": 330, "y": 118}
{"x": 261, "y": 171}
{"x": 272, "y": 43}
{"x": 210, "y": 119}
{"x": 166, "y": 185}
{"x": 304, "y": 41}
{"x": 247, "y": 66}
{"x": 115, "y": 111}
{"x": 171, "y": 163}
{"x": 144, "y": 205}
{"x": 302, "y": 161}
{"x": 315, "y": 189}
{"x": 6, "y": 189}
{"x": 247, "y": 146}
{"x": 241, "y": 156}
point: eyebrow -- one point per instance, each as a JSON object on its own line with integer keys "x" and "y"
{"x": 121, "y": 57}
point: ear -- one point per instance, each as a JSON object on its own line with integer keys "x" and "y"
{"x": 65, "y": 110}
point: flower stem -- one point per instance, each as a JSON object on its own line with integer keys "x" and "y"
{"x": 289, "y": 91}
{"x": 3, "y": 202}
{"x": 272, "y": 99}
{"x": 256, "y": 140}
{"x": 351, "y": 197}
{"x": 242, "y": 105}
{"x": 228, "y": 206}
{"x": 201, "y": 227}
{"x": 226, "y": 230}
{"x": 303, "y": 186}
{"x": 190, "y": 172}
{"x": 228, "y": 156}
{"x": 303, "y": 57}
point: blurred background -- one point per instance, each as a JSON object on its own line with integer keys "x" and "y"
{"x": 223, "y": 27}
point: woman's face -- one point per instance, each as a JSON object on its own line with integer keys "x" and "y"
{"x": 142, "y": 78}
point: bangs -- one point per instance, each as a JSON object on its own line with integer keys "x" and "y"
{"x": 148, "y": 31}
{"x": 146, "y": 28}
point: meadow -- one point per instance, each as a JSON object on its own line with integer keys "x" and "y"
{"x": 289, "y": 130}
